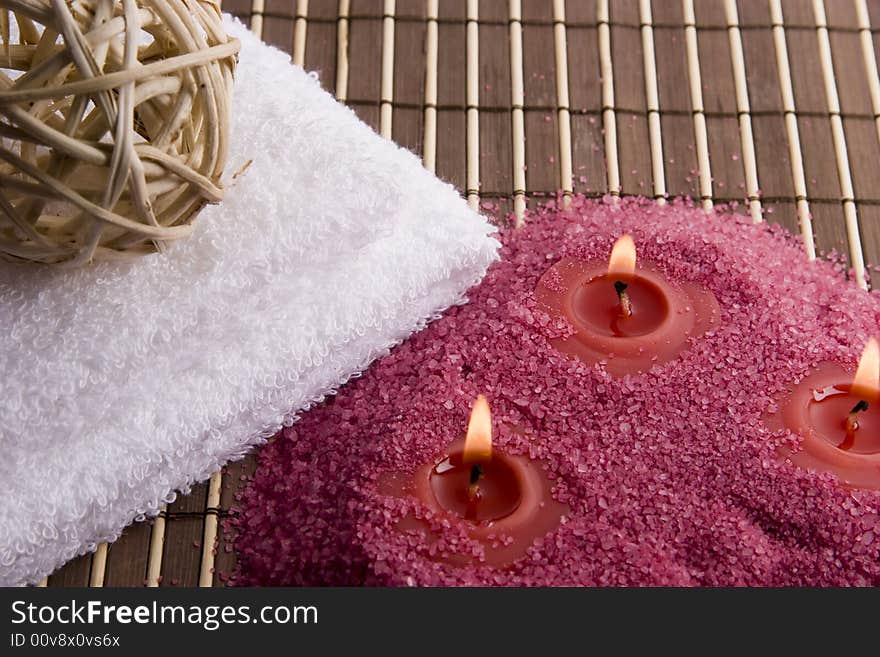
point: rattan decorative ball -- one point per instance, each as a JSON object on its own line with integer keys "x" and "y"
{"x": 114, "y": 124}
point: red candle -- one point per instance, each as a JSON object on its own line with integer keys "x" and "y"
{"x": 504, "y": 500}
{"x": 838, "y": 420}
{"x": 629, "y": 319}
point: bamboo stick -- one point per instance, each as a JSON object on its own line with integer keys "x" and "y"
{"x": 747, "y": 140}
{"x": 473, "y": 100}
{"x": 695, "y": 79}
{"x": 847, "y": 197}
{"x": 870, "y": 58}
{"x": 517, "y": 119}
{"x": 342, "y": 51}
{"x": 609, "y": 120}
{"x": 99, "y": 567}
{"x": 791, "y": 128}
{"x": 387, "y": 83}
{"x": 563, "y": 118}
{"x": 429, "y": 137}
{"x": 257, "y": 9}
{"x": 652, "y": 99}
{"x": 299, "y": 32}
{"x": 209, "y": 537}
{"x": 157, "y": 547}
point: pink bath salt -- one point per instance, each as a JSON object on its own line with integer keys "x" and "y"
{"x": 671, "y": 476}
{"x": 553, "y": 280}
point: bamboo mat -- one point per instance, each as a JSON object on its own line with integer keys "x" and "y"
{"x": 774, "y": 104}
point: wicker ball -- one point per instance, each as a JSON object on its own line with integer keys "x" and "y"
{"x": 115, "y": 124}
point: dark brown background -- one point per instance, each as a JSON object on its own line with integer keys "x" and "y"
{"x": 322, "y": 20}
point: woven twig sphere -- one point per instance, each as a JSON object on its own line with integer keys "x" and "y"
{"x": 114, "y": 124}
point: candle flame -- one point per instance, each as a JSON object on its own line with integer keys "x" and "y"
{"x": 623, "y": 256}
{"x": 866, "y": 382}
{"x": 478, "y": 441}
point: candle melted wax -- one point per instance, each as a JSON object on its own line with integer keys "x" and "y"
{"x": 828, "y": 412}
{"x": 495, "y": 496}
{"x": 597, "y": 305}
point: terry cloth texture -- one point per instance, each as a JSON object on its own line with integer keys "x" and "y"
{"x": 124, "y": 382}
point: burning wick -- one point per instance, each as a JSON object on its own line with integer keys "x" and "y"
{"x": 474, "y": 487}
{"x": 852, "y": 424}
{"x": 623, "y": 262}
{"x": 623, "y": 297}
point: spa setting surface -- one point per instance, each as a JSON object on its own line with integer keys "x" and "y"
{"x": 439, "y": 293}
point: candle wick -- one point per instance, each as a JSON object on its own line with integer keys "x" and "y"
{"x": 852, "y": 424}
{"x": 623, "y": 298}
{"x": 474, "y": 487}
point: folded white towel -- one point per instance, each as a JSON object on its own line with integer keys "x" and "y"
{"x": 122, "y": 383}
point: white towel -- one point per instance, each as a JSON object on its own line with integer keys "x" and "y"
{"x": 122, "y": 383}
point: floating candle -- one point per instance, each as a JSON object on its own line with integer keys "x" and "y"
{"x": 505, "y": 500}
{"x": 629, "y": 319}
{"x": 838, "y": 421}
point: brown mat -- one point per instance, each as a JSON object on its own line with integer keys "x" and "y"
{"x": 775, "y": 104}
